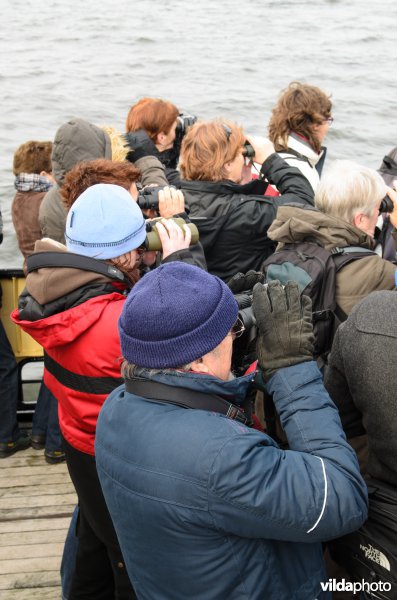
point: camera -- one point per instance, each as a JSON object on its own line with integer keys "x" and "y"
{"x": 169, "y": 158}
{"x": 184, "y": 122}
{"x": 244, "y": 347}
{"x": 245, "y": 312}
{"x": 386, "y": 206}
{"x": 248, "y": 150}
{"x": 153, "y": 242}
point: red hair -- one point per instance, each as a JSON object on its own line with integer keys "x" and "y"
{"x": 88, "y": 173}
{"x": 207, "y": 147}
{"x": 153, "y": 115}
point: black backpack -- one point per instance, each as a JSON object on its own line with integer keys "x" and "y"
{"x": 314, "y": 269}
{"x": 370, "y": 553}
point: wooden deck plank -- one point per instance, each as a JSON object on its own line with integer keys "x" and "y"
{"x": 39, "y": 512}
{"x": 22, "y": 469}
{"x": 27, "y": 480}
{"x": 48, "y": 488}
{"x": 36, "y": 504}
{"x": 10, "y": 554}
{"x": 37, "y": 501}
{"x": 29, "y": 565}
{"x": 42, "y": 593}
{"x": 30, "y": 538}
{"x": 32, "y": 525}
{"x": 30, "y": 581}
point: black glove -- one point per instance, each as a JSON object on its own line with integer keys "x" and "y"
{"x": 242, "y": 282}
{"x": 285, "y": 330}
{"x": 140, "y": 145}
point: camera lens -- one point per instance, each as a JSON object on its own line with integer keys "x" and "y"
{"x": 386, "y": 206}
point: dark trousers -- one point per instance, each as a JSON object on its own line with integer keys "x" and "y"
{"x": 9, "y": 430}
{"x": 45, "y": 419}
{"x": 100, "y": 572}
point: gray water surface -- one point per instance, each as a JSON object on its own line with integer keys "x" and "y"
{"x": 94, "y": 59}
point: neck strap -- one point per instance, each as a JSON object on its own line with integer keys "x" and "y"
{"x": 153, "y": 390}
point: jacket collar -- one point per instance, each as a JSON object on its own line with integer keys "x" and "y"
{"x": 256, "y": 187}
{"x": 301, "y": 145}
{"x": 234, "y": 390}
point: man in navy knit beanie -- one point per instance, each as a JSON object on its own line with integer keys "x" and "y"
{"x": 203, "y": 505}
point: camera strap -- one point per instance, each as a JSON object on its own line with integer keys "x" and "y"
{"x": 153, "y": 390}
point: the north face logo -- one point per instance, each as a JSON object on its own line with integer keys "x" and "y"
{"x": 376, "y": 556}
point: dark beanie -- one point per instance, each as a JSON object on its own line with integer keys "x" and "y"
{"x": 174, "y": 315}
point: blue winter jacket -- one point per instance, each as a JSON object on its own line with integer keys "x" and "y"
{"x": 208, "y": 509}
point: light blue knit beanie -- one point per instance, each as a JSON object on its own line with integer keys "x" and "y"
{"x": 104, "y": 222}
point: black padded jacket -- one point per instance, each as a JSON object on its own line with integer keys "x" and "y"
{"x": 233, "y": 219}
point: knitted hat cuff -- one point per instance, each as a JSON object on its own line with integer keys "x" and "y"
{"x": 132, "y": 241}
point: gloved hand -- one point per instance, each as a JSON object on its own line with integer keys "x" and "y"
{"x": 242, "y": 282}
{"x": 284, "y": 320}
{"x": 139, "y": 144}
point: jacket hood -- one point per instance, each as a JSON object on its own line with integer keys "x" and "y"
{"x": 51, "y": 283}
{"x": 295, "y": 224}
{"x": 75, "y": 141}
{"x": 66, "y": 327}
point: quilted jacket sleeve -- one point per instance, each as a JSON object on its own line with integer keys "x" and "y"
{"x": 312, "y": 492}
{"x": 291, "y": 183}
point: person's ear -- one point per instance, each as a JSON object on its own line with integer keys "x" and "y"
{"x": 198, "y": 366}
{"x": 358, "y": 220}
{"x": 49, "y": 176}
{"x": 228, "y": 167}
{"x": 160, "y": 139}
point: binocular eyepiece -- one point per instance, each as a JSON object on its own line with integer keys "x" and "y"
{"x": 248, "y": 150}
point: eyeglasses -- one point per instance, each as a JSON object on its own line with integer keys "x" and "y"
{"x": 237, "y": 329}
{"x": 330, "y": 120}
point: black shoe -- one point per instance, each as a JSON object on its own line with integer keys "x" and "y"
{"x": 38, "y": 441}
{"x": 7, "y": 449}
{"x": 54, "y": 457}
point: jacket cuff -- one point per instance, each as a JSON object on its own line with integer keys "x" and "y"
{"x": 181, "y": 255}
{"x": 268, "y": 163}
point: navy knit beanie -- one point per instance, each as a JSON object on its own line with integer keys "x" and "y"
{"x": 174, "y": 315}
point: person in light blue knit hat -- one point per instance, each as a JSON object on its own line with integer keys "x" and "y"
{"x": 104, "y": 223}
{"x": 74, "y": 298}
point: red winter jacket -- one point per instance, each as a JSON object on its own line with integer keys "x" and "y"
{"x": 82, "y": 357}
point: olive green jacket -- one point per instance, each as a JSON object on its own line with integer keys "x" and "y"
{"x": 355, "y": 280}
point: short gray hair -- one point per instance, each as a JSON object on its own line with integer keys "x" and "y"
{"x": 347, "y": 189}
{"x": 129, "y": 371}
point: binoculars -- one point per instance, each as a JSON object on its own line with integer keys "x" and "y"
{"x": 153, "y": 242}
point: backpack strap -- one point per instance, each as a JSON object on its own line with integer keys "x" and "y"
{"x": 42, "y": 260}
{"x": 153, "y": 390}
{"x": 343, "y": 257}
{"x": 350, "y": 253}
